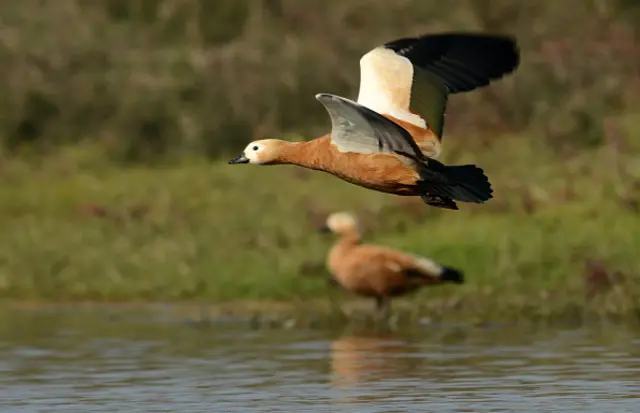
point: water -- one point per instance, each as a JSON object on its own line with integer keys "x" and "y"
{"x": 91, "y": 361}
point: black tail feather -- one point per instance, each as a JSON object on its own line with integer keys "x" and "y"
{"x": 470, "y": 182}
{"x": 464, "y": 183}
{"x": 453, "y": 275}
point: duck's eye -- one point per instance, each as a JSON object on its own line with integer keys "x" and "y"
{"x": 255, "y": 148}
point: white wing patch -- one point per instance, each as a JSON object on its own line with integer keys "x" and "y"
{"x": 428, "y": 265}
{"x": 385, "y": 85}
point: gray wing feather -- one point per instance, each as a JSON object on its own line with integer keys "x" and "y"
{"x": 355, "y": 128}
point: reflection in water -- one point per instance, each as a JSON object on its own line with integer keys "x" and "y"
{"x": 80, "y": 361}
{"x": 358, "y": 359}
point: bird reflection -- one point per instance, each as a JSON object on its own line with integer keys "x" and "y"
{"x": 363, "y": 358}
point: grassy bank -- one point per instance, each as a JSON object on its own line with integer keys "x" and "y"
{"x": 77, "y": 227}
{"x": 118, "y": 117}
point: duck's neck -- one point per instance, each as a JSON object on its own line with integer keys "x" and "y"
{"x": 342, "y": 249}
{"x": 311, "y": 154}
{"x": 347, "y": 241}
{"x": 350, "y": 238}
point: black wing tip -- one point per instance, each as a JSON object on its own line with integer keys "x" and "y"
{"x": 444, "y": 39}
{"x": 463, "y": 60}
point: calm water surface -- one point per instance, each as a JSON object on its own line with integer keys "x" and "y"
{"x": 92, "y": 361}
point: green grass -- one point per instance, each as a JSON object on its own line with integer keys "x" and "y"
{"x": 214, "y": 232}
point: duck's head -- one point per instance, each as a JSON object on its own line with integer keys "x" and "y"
{"x": 261, "y": 152}
{"x": 341, "y": 223}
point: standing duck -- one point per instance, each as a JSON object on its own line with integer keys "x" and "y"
{"x": 379, "y": 272}
{"x": 389, "y": 139}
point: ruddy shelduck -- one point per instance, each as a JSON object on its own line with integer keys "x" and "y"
{"x": 379, "y": 272}
{"x": 389, "y": 139}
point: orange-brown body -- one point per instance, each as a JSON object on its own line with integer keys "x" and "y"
{"x": 382, "y": 172}
{"x": 374, "y": 271}
{"x": 426, "y": 139}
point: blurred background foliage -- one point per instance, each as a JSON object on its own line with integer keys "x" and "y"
{"x": 153, "y": 79}
{"x": 117, "y": 117}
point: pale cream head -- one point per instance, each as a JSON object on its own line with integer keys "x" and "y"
{"x": 259, "y": 152}
{"x": 341, "y": 222}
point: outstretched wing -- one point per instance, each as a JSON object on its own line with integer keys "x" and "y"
{"x": 355, "y": 128}
{"x": 411, "y": 78}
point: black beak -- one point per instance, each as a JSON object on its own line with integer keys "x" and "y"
{"x": 238, "y": 159}
{"x": 324, "y": 229}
